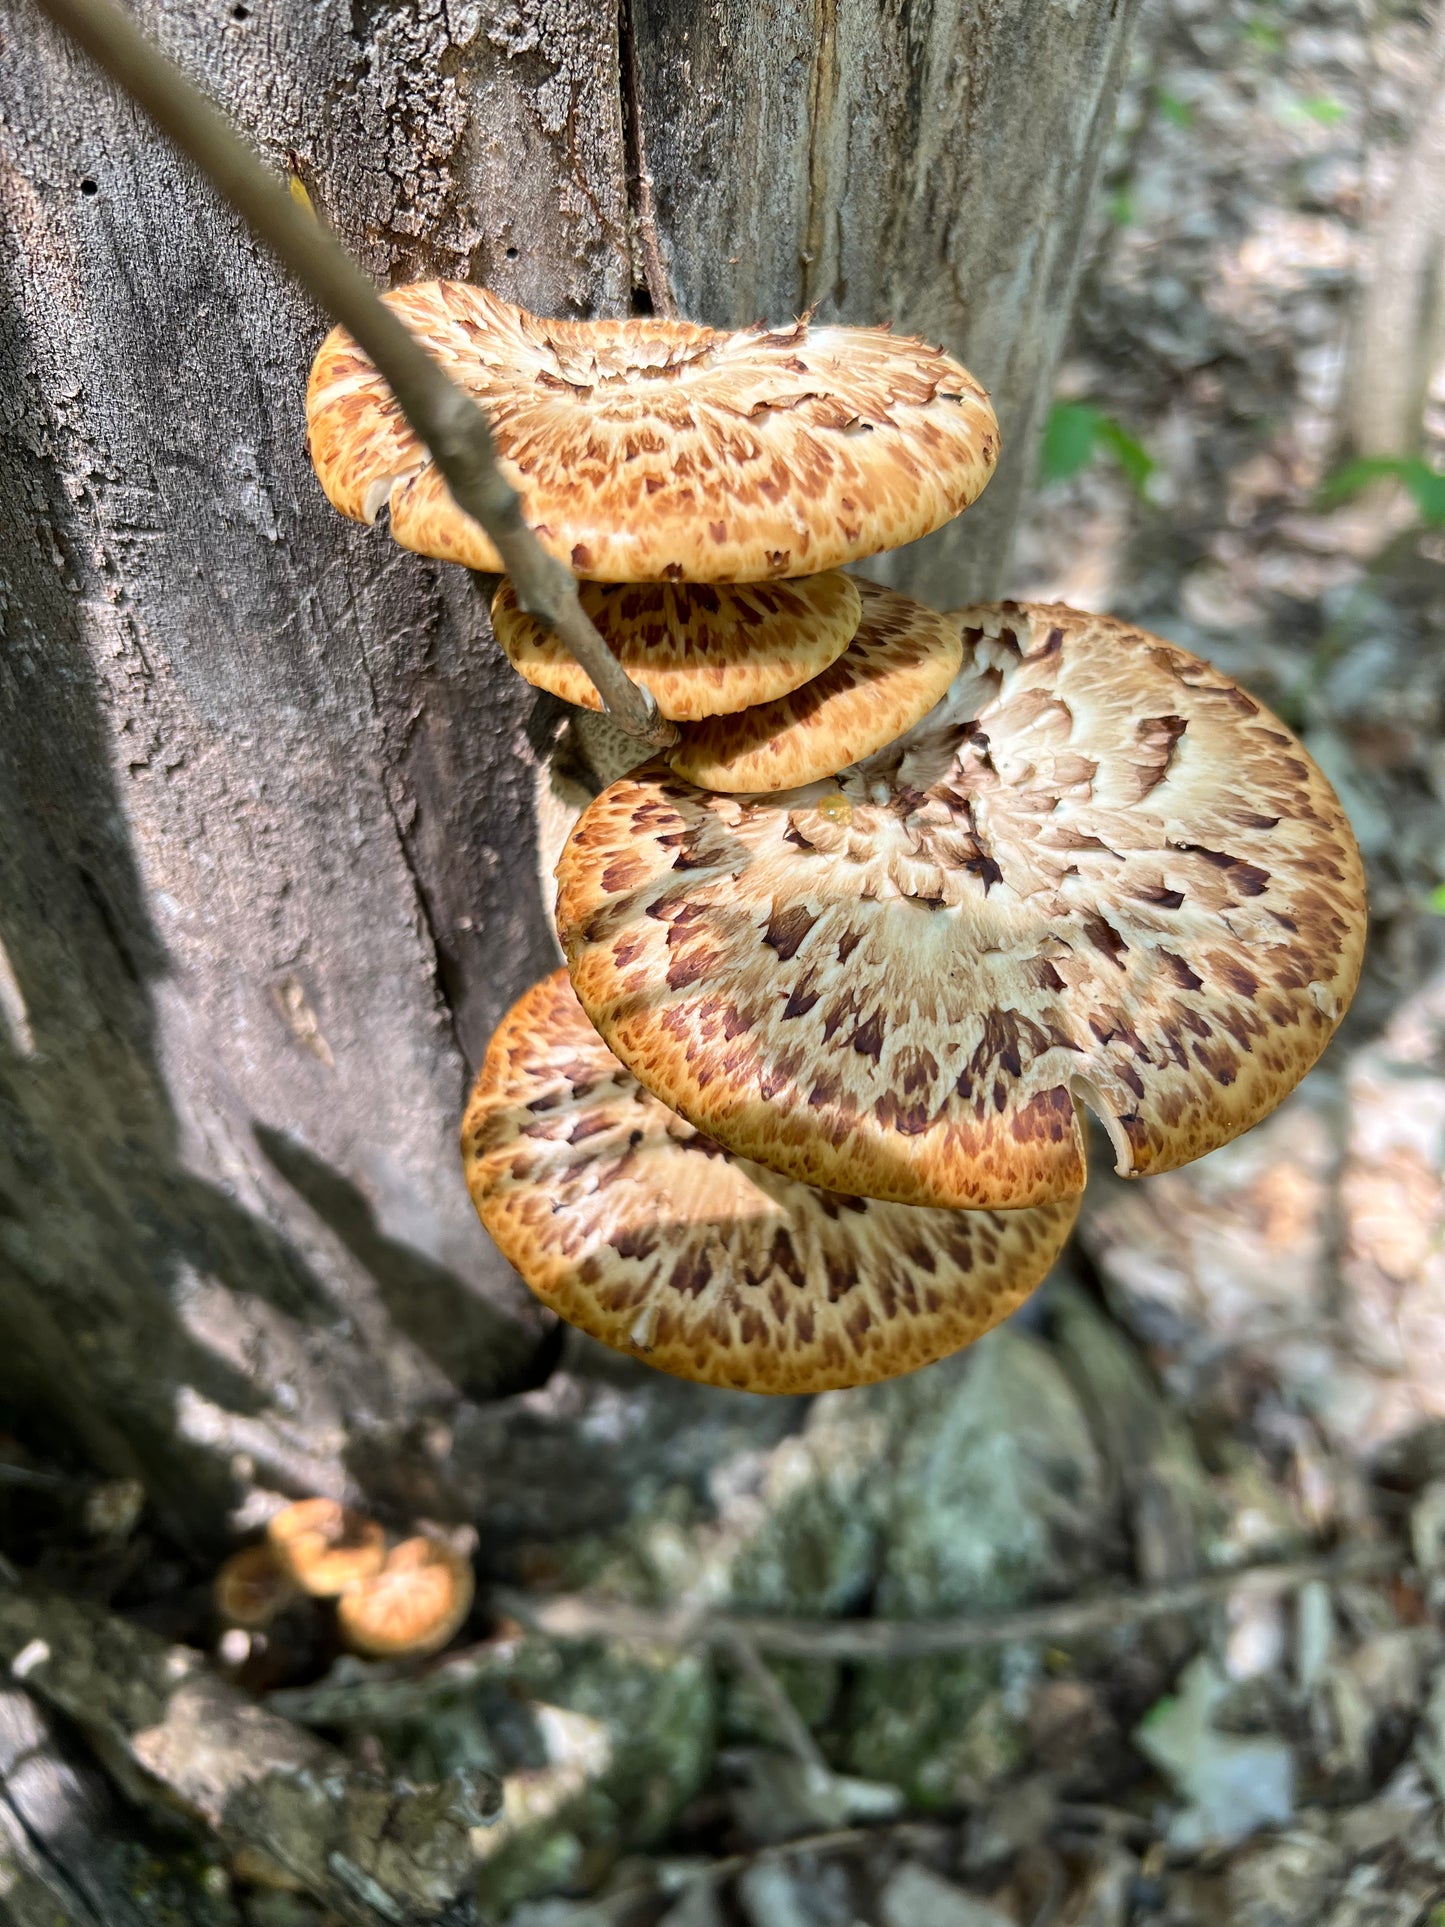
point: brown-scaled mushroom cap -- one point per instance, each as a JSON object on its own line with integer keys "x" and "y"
{"x": 413, "y": 1606}
{"x": 703, "y": 649}
{"x": 326, "y": 1546}
{"x": 895, "y": 669}
{"x": 1098, "y": 868}
{"x": 654, "y": 450}
{"x": 252, "y": 1587}
{"x": 644, "y": 1233}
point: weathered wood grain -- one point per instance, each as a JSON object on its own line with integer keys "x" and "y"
{"x": 267, "y": 876}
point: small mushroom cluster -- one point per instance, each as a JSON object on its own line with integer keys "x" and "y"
{"x": 843, "y": 966}
{"x": 398, "y": 1602}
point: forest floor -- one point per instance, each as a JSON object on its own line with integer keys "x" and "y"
{"x": 1183, "y": 1521}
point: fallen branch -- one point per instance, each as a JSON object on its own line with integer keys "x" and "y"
{"x": 791, "y": 1727}
{"x": 449, "y": 422}
{"x": 176, "y": 1737}
{"x": 366, "y": 1695}
{"x": 576, "y": 1616}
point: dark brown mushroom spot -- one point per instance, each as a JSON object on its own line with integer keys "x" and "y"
{"x": 800, "y": 1001}
{"x": 868, "y": 1038}
{"x": 786, "y": 929}
{"x": 1102, "y": 934}
{"x": 1183, "y": 976}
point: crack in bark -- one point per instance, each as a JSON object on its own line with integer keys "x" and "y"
{"x": 640, "y": 201}
{"x": 446, "y": 1004}
{"x": 823, "y": 81}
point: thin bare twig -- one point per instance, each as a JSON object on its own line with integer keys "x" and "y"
{"x": 576, "y": 1616}
{"x": 449, "y": 422}
{"x": 791, "y": 1727}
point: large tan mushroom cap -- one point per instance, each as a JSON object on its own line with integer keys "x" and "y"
{"x": 651, "y": 450}
{"x": 1097, "y": 868}
{"x": 702, "y": 649}
{"x": 635, "y": 1227}
{"x": 896, "y": 668}
{"x": 413, "y": 1606}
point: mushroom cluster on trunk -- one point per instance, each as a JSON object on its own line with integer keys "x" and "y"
{"x": 708, "y": 489}
{"x": 847, "y": 962}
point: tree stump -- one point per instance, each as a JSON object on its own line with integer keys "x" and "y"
{"x": 267, "y": 852}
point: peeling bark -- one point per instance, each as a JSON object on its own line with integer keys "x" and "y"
{"x": 267, "y": 865}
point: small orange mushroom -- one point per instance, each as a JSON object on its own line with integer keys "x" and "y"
{"x": 703, "y": 649}
{"x": 326, "y": 1546}
{"x": 252, "y": 1587}
{"x": 413, "y": 1606}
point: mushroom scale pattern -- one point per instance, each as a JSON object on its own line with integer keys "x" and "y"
{"x": 703, "y": 649}
{"x": 648, "y": 1236}
{"x": 898, "y": 665}
{"x": 654, "y": 450}
{"x": 1098, "y": 869}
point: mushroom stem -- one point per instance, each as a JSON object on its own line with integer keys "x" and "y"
{"x": 454, "y": 428}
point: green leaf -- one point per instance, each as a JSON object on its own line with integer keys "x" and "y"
{"x": 1069, "y": 439}
{"x": 1121, "y": 208}
{"x": 1175, "y": 109}
{"x": 1268, "y": 39}
{"x": 1076, "y": 432}
{"x": 1354, "y": 476}
{"x": 1324, "y": 109}
{"x": 1426, "y": 484}
{"x": 1436, "y": 900}
{"x": 1131, "y": 455}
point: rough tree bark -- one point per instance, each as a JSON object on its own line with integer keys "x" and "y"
{"x": 267, "y": 867}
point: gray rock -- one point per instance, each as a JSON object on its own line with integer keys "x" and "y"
{"x": 994, "y": 1490}
{"x": 913, "y": 1896}
{"x": 698, "y": 1907}
{"x": 773, "y": 1896}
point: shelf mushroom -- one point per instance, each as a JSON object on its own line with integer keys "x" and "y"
{"x": 703, "y": 649}
{"x": 645, "y": 1234}
{"x": 895, "y": 669}
{"x": 1098, "y": 870}
{"x": 653, "y": 450}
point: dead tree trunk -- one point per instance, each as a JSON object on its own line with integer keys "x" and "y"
{"x": 267, "y": 869}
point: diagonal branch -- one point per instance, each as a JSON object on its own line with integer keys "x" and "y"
{"x": 450, "y": 423}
